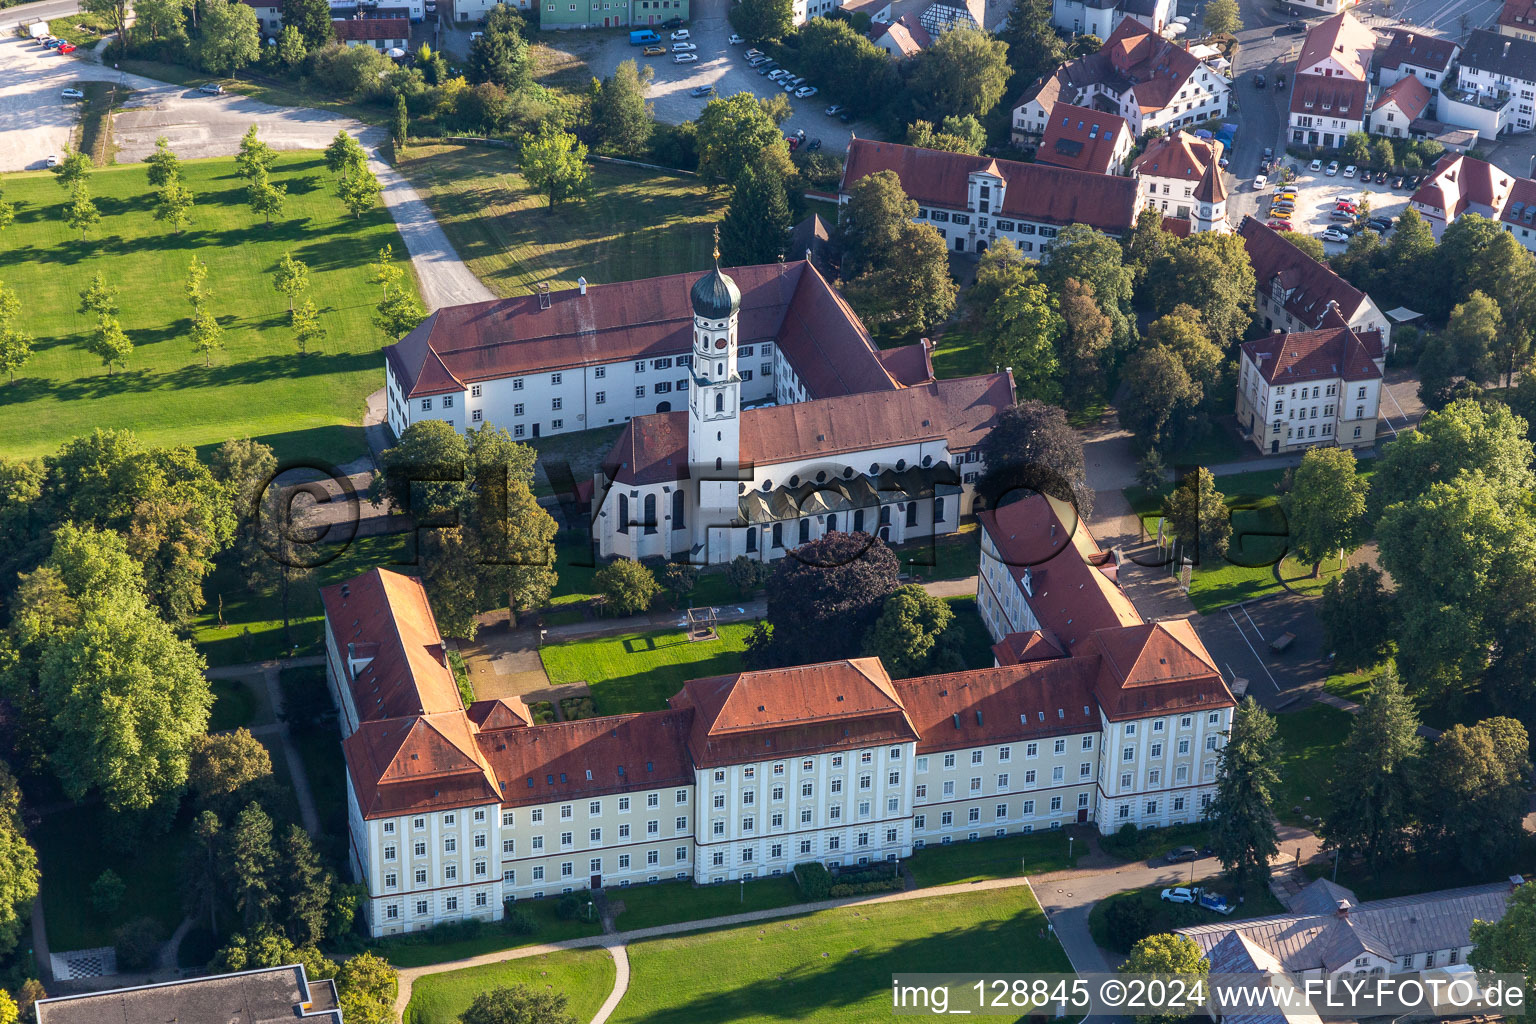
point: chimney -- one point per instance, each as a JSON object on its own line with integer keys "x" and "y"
{"x": 1343, "y": 910}
{"x": 581, "y": 285}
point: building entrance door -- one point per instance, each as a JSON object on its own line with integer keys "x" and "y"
{"x": 597, "y": 883}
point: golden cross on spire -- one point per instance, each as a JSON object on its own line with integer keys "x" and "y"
{"x": 717, "y": 244}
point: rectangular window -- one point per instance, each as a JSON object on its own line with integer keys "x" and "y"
{"x": 600, "y": 398}
{"x": 554, "y": 378}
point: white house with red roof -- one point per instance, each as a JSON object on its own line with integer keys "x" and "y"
{"x": 1414, "y": 52}
{"x": 1517, "y": 19}
{"x": 1310, "y": 388}
{"x": 901, "y": 38}
{"x": 1180, "y": 176}
{"x": 1149, "y": 81}
{"x": 1398, "y": 106}
{"x": 1329, "y": 89}
{"x": 379, "y": 33}
{"x": 1084, "y": 139}
{"x": 1461, "y": 185}
{"x": 1296, "y": 292}
{"x": 974, "y": 200}
{"x": 1089, "y": 715}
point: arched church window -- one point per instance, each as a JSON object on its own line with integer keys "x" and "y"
{"x": 794, "y": 481}
{"x": 821, "y": 477}
{"x": 677, "y": 510}
{"x": 650, "y": 513}
{"x": 927, "y": 461}
{"x": 719, "y": 464}
{"x": 719, "y": 403}
{"x": 901, "y": 464}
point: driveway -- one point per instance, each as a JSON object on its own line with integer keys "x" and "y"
{"x": 35, "y": 122}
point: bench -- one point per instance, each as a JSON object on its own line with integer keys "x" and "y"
{"x": 1281, "y": 642}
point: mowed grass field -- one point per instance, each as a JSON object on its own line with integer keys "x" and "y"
{"x": 639, "y": 671}
{"x": 304, "y": 406}
{"x": 835, "y": 966}
{"x": 584, "y": 976}
{"x": 634, "y": 223}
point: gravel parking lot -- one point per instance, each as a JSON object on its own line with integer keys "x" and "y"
{"x": 1317, "y": 194}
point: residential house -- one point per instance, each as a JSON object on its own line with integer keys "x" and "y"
{"x": 944, "y": 15}
{"x": 380, "y": 33}
{"x": 1399, "y": 105}
{"x": 1461, "y": 185}
{"x": 974, "y": 200}
{"x": 1180, "y": 175}
{"x": 247, "y": 997}
{"x": 1296, "y": 292}
{"x": 1411, "y": 52}
{"x": 1311, "y": 388}
{"x": 1322, "y": 6}
{"x": 1101, "y": 17}
{"x": 901, "y": 38}
{"x": 269, "y": 17}
{"x": 1329, "y": 935}
{"x": 1084, "y": 139}
{"x": 579, "y": 13}
{"x": 1138, "y": 74}
{"x": 1090, "y": 716}
{"x": 1337, "y": 47}
{"x": 879, "y": 11}
{"x": 1324, "y": 111}
{"x": 1495, "y": 88}
{"x": 1517, "y": 19}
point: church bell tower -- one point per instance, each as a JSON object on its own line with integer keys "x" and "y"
{"x": 714, "y": 399}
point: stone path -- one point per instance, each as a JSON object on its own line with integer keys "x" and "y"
{"x": 270, "y": 673}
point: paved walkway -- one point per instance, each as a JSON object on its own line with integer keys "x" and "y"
{"x": 270, "y": 674}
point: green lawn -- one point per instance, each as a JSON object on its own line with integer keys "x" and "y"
{"x": 646, "y": 906}
{"x": 999, "y": 857}
{"x": 306, "y": 407}
{"x": 1355, "y": 686}
{"x": 1309, "y": 740}
{"x": 234, "y": 705}
{"x": 575, "y": 566}
{"x": 83, "y": 29}
{"x": 252, "y": 627}
{"x": 835, "y": 966}
{"x": 959, "y": 352}
{"x": 1146, "y": 843}
{"x": 639, "y": 671}
{"x": 956, "y": 557}
{"x": 633, "y": 223}
{"x": 1157, "y": 916}
{"x": 583, "y": 976}
{"x": 71, "y": 854}
{"x": 451, "y": 942}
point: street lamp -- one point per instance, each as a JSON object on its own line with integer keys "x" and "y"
{"x": 1069, "y": 850}
{"x": 743, "y": 890}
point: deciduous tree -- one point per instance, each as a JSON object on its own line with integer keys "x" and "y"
{"x": 1473, "y": 798}
{"x": 109, "y": 344}
{"x": 964, "y": 72}
{"x": 196, "y": 284}
{"x": 1159, "y": 396}
{"x": 81, "y": 213}
{"x": 1086, "y": 339}
{"x": 359, "y": 189}
{"x": 825, "y": 596}
{"x": 255, "y": 157}
{"x": 554, "y": 163}
{"x": 517, "y": 1004}
{"x": 1196, "y": 515}
{"x": 71, "y": 170}
{"x": 872, "y": 219}
{"x": 627, "y": 586}
{"x": 343, "y": 152}
{"x": 162, "y": 166}
{"x": 173, "y": 206}
{"x": 99, "y": 298}
{"x": 306, "y": 326}
{"x": 1462, "y": 436}
{"x": 1325, "y": 507}
{"x": 207, "y": 335}
{"x": 761, "y": 20}
{"x": 912, "y": 287}
{"x": 909, "y": 636}
{"x": 1357, "y": 617}
{"x": 398, "y": 314}
{"x": 621, "y": 115}
{"x": 230, "y": 38}
{"x": 1033, "y": 448}
{"x": 222, "y": 767}
{"x": 1209, "y": 272}
{"x": 1091, "y": 256}
{"x": 1222, "y": 17}
{"x": 732, "y": 134}
{"x": 18, "y": 866}
{"x": 1242, "y": 815}
{"x": 265, "y": 198}
{"x": 366, "y": 986}
{"x": 291, "y": 278}
{"x": 1165, "y": 956}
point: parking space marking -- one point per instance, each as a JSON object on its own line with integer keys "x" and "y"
{"x": 1244, "y": 635}
{"x": 1255, "y": 625}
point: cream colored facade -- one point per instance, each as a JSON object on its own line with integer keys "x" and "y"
{"x": 1005, "y": 788}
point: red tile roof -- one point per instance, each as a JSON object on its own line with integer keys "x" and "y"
{"x": 907, "y": 36}
{"x": 1342, "y": 37}
{"x": 387, "y": 615}
{"x": 1520, "y": 14}
{"x": 1156, "y": 668}
{"x": 1309, "y": 286}
{"x": 960, "y": 411}
{"x": 790, "y": 304}
{"x": 1153, "y": 67}
{"x": 1316, "y": 355}
{"x": 1460, "y": 182}
{"x": 1414, "y": 47}
{"x": 1082, "y": 138}
{"x": 1042, "y": 539}
{"x": 1179, "y": 155}
{"x": 1178, "y": 226}
{"x": 590, "y": 756}
{"x": 1408, "y": 93}
{"x": 909, "y": 364}
{"x": 1328, "y": 97}
{"x": 1017, "y": 648}
{"x": 416, "y": 763}
{"x": 1001, "y": 705}
{"x": 750, "y": 716}
{"x": 1035, "y": 192}
{"x": 1520, "y": 208}
{"x": 370, "y": 29}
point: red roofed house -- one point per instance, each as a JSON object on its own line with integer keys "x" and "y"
{"x": 1310, "y": 388}
{"x": 1089, "y": 715}
{"x": 1412, "y": 52}
{"x": 1149, "y": 81}
{"x": 1329, "y": 90}
{"x": 1084, "y": 139}
{"x": 974, "y": 200}
{"x": 379, "y": 33}
{"x": 1180, "y": 176}
{"x": 1296, "y": 292}
{"x": 901, "y": 38}
{"x": 1461, "y": 185}
{"x": 1398, "y": 106}
{"x": 1518, "y": 19}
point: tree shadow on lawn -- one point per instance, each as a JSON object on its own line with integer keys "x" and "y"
{"x": 650, "y": 688}
{"x": 251, "y": 371}
{"x": 831, "y": 983}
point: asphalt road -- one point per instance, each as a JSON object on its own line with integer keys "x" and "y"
{"x": 10, "y": 17}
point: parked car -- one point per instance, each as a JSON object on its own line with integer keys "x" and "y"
{"x": 805, "y": 91}
{"x": 1399, "y": 181}
{"x": 735, "y": 40}
{"x": 767, "y": 68}
{"x": 633, "y": 41}
{"x": 1333, "y": 234}
{"x": 813, "y": 145}
{"x": 1315, "y": 165}
{"x": 683, "y": 47}
{"x": 793, "y": 142}
{"x": 1333, "y": 168}
{"x": 672, "y": 23}
{"x": 1279, "y": 225}
{"x": 1344, "y": 216}
{"x": 66, "y": 47}
{"x": 1258, "y": 81}
{"x": 845, "y": 117}
{"x": 73, "y": 94}
{"x": 1384, "y": 223}
{"x": 211, "y": 89}
{"x": 1285, "y": 192}
{"x": 1259, "y": 182}
{"x": 680, "y": 35}
{"x": 44, "y": 41}
{"x": 685, "y": 58}
{"x": 1381, "y": 177}
{"x": 1269, "y": 153}
{"x": 1349, "y": 172}
{"x": 655, "y": 51}
{"x": 1280, "y": 214}
{"x": 754, "y": 52}
{"x": 1179, "y": 895}
{"x": 774, "y": 76}
{"x": 52, "y": 161}
{"x": 1182, "y": 854}
{"x": 701, "y": 90}
{"x": 834, "y": 110}
{"x": 1294, "y": 28}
